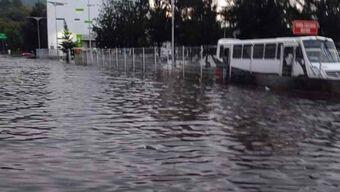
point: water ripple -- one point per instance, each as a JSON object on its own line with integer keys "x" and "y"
{"x": 76, "y": 128}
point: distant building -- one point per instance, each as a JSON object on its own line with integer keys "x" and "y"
{"x": 77, "y": 14}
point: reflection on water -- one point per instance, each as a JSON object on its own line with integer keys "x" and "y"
{"x": 74, "y": 128}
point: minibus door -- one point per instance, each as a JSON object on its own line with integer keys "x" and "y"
{"x": 288, "y": 61}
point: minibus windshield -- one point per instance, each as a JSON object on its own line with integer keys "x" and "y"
{"x": 321, "y": 51}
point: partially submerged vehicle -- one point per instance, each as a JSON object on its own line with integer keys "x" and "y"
{"x": 271, "y": 61}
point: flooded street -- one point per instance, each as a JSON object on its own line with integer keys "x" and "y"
{"x": 76, "y": 128}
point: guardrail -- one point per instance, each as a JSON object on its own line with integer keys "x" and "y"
{"x": 48, "y": 54}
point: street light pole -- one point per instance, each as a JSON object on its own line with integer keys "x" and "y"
{"x": 38, "y": 28}
{"x": 173, "y": 32}
{"x": 56, "y": 28}
{"x": 88, "y": 20}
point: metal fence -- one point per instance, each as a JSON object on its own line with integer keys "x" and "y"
{"x": 189, "y": 60}
{"x": 48, "y": 54}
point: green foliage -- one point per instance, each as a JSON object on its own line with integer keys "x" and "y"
{"x": 30, "y": 33}
{"x": 260, "y": 18}
{"x": 134, "y": 23}
{"x": 123, "y": 24}
{"x": 12, "y": 18}
{"x": 31, "y": 3}
{"x": 327, "y": 13}
{"x": 273, "y": 18}
{"x": 159, "y": 27}
{"x": 67, "y": 43}
{"x": 131, "y": 23}
{"x": 21, "y": 31}
{"x": 197, "y": 23}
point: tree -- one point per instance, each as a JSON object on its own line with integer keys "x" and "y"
{"x": 67, "y": 44}
{"x": 210, "y": 27}
{"x": 224, "y": 15}
{"x": 30, "y": 28}
{"x": 326, "y": 12}
{"x": 261, "y": 18}
{"x": 160, "y": 23}
{"x": 135, "y": 23}
{"x": 123, "y": 24}
{"x": 197, "y": 23}
{"x": 12, "y": 17}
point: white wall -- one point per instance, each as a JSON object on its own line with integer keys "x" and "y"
{"x": 69, "y": 13}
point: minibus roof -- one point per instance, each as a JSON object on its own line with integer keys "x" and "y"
{"x": 271, "y": 40}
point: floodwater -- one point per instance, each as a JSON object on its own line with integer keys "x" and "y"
{"x": 84, "y": 128}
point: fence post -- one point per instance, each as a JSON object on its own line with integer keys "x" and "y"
{"x": 97, "y": 56}
{"x": 183, "y": 60}
{"x": 201, "y": 67}
{"x": 103, "y": 57}
{"x": 155, "y": 54}
{"x": 133, "y": 60}
{"x": 143, "y": 60}
{"x": 88, "y": 57}
{"x": 110, "y": 57}
{"x": 69, "y": 55}
{"x": 124, "y": 59}
{"x": 83, "y": 56}
{"x": 117, "y": 59}
{"x": 91, "y": 56}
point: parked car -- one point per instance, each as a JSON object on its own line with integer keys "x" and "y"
{"x": 28, "y": 55}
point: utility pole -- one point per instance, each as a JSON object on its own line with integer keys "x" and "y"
{"x": 89, "y": 20}
{"x": 173, "y": 33}
{"x": 56, "y": 28}
{"x": 38, "y": 28}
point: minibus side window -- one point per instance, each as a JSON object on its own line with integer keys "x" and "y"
{"x": 278, "y": 54}
{"x": 246, "y": 51}
{"x": 270, "y": 51}
{"x": 258, "y": 51}
{"x": 237, "y": 51}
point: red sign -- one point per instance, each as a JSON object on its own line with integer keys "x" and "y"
{"x": 305, "y": 27}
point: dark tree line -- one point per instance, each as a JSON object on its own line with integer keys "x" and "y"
{"x": 260, "y": 18}
{"x": 136, "y": 23}
{"x": 29, "y": 30}
{"x": 197, "y": 24}
{"x": 122, "y": 23}
{"x": 20, "y": 30}
{"x": 12, "y": 18}
{"x": 273, "y": 18}
{"x": 327, "y": 12}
